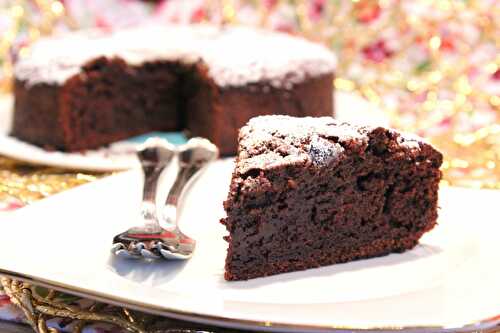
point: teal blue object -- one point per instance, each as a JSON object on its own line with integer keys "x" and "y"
{"x": 176, "y": 138}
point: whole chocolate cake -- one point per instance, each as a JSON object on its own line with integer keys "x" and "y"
{"x": 85, "y": 90}
{"x": 309, "y": 192}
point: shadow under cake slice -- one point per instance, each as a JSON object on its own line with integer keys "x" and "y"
{"x": 309, "y": 192}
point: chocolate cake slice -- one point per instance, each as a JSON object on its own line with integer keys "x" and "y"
{"x": 309, "y": 192}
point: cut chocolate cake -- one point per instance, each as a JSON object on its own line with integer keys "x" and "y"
{"x": 309, "y": 192}
{"x": 84, "y": 90}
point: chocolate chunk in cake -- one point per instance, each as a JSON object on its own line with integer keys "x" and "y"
{"x": 308, "y": 192}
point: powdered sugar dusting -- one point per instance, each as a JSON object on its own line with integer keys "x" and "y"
{"x": 410, "y": 140}
{"x": 322, "y": 139}
{"x": 269, "y": 161}
{"x": 323, "y": 152}
{"x": 294, "y": 129}
{"x": 252, "y": 55}
{"x": 235, "y": 56}
{"x": 290, "y": 138}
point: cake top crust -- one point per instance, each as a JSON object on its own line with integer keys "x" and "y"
{"x": 235, "y": 56}
{"x": 267, "y": 142}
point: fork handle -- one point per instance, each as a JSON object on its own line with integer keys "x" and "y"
{"x": 193, "y": 157}
{"x": 154, "y": 156}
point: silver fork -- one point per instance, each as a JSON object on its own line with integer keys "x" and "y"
{"x": 154, "y": 156}
{"x": 152, "y": 241}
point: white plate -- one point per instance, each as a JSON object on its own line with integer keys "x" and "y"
{"x": 449, "y": 281}
{"x": 120, "y": 155}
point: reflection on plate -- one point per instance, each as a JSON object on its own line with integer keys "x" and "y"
{"x": 449, "y": 280}
{"x": 120, "y": 155}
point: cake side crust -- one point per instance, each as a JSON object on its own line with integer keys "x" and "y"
{"x": 37, "y": 116}
{"x": 218, "y": 113}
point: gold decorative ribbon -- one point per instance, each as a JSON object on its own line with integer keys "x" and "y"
{"x": 38, "y": 309}
{"x": 28, "y": 183}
